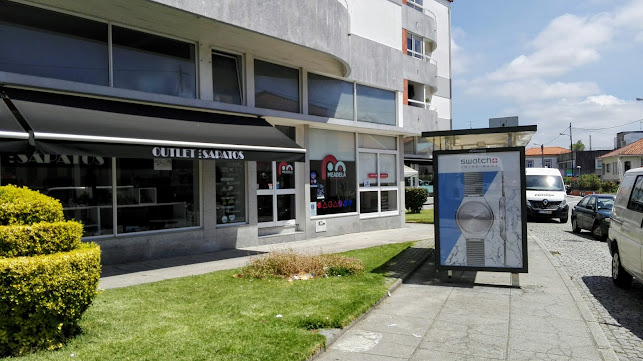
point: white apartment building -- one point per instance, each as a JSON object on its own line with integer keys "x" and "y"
{"x": 174, "y": 127}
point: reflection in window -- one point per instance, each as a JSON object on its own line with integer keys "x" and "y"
{"x": 82, "y": 184}
{"x": 368, "y": 202}
{"x": 154, "y": 195}
{"x": 276, "y": 87}
{"x": 49, "y": 44}
{"x": 375, "y": 105}
{"x": 226, "y": 78}
{"x": 329, "y": 97}
{"x": 389, "y": 200}
{"x": 153, "y": 64}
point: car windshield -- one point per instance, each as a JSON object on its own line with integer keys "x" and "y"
{"x": 604, "y": 202}
{"x": 544, "y": 183}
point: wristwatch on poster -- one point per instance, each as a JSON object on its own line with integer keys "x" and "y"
{"x": 474, "y": 217}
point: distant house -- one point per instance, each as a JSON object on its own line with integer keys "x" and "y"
{"x": 617, "y": 162}
{"x": 545, "y": 157}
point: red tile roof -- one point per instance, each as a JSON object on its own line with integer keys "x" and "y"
{"x": 536, "y": 151}
{"x": 635, "y": 148}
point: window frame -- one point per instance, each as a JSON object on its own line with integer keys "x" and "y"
{"x": 378, "y": 187}
{"x": 275, "y": 192}
{"x": 416, "y": 53}
{"x": 240, "y": 59}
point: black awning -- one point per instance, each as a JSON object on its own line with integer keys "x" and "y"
{"x": 13, "y": 137}
{"x": 75, "y": 125}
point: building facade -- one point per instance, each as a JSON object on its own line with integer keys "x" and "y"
{"x": 172, "y": 128}
{"x": 619, "y": 161}
{"x": 544, "y": 157}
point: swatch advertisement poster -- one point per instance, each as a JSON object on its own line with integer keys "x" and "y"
{"x": 480, "y": 203}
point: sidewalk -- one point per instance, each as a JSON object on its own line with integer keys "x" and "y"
{"x": 478, "y": 316}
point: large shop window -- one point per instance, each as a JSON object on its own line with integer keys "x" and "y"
{"x": 378, "y": 189}
{"x": 375, "y": 105}
{"x": 328, "y": 97}
{"x": 332, "y": 172}
{"x": 156, "y": 194}
{"x": 150, "y": 194}
{"x": 226, "y": 78}
{"x": 153, "y": 64}
{"x": 45, "y": 43}
{"x": 77, "y": 49}
{"x": 276, "y": 87}
{"x": 231, "y": 192}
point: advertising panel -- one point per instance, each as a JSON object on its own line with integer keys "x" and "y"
{"x": 480, "y": 205}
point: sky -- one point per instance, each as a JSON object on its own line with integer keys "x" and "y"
{"x": 551, "y": 63}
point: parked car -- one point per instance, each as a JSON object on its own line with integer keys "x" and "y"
{"x": 625, "y": 238}
{"x": 593, "y": 213}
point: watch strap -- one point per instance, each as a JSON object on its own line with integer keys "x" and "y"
{"x": 473, "y": 184}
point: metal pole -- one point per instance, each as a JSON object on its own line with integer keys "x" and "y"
{"x": 571, "y": 147}
{"x": 542, "y": 155}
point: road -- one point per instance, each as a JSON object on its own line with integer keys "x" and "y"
{"x": 588, "y": 263}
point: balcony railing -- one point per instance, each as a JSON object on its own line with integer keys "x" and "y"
{"x": 421, "y": 104}
{"x": 418, "y": 55}
{"x": 420, "y": 8}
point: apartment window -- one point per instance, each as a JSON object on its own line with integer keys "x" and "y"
{"x": 77, "y": 49}
{"x": 276, "y": 87}
{"x": 377, "y": 175}
{"x": 414, "y": 45}
{"x": 548, "y": 163}
{"x": 607, "y": 167}
{"x": 375, "y": 105}
{"x": 416, "y": 4}
{"x": 226, "y": 78}
{"x": 530, "y": 163}
{"x": 328, "y": 97}
{"x": 45, "y": 43}
{"x": 153, "y": 64}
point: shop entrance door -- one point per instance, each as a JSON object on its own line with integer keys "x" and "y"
{"x": 276, "y": 194}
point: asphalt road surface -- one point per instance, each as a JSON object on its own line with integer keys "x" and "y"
{"x": 588, "y": 263}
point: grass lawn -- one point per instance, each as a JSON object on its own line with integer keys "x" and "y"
{"x": 219, "y": 317}
{"x": 425, "y": 216}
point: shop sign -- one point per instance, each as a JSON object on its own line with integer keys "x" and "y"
{"x": 55, "y": 159}
{"x": 374, "y": 175}
{"x": 332, "y": 168}
{"x": 191, "y": 153}
{"x": 285, "y": 168}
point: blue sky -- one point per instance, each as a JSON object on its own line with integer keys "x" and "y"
{"x": 551, "y": 63}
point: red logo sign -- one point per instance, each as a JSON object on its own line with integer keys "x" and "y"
{"x": 332, "y": 168}
{"x": 285, "y": 168}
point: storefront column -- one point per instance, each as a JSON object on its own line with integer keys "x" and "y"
{"x": 400, "y": 176}
{"x": 302, "y": 176}
{"x": 251, "y": 185}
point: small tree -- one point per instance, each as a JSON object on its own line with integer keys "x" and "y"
{"x": 578, "y": 146}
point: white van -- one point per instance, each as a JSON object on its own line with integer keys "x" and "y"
{"x": 546, "y": 196}
{"x": 625, "y": 237}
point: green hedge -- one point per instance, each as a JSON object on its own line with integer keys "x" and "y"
{"x": 43, "y": 297}
{"x": 39, "y": 238}
{"x": 24, "y": 206}
{"x": 414, "y": 198}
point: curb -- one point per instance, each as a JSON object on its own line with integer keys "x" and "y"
{"x": 605, "y": 349}
{"x": 333, "y": 334}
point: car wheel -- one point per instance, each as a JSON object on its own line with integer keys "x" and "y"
{"x": 598, "y": 233}
{"x": 564, "y": 219}
{"x": 575, "y": 227}
{"x": 619, "y": 275}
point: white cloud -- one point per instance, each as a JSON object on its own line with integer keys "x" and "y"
{"x": 566, "y": 43}
{"x": 460, "y": 59}
{"x": 604, "y": 100}
{"x": 530, "y": 90}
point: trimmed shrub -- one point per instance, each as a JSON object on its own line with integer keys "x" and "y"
{"x": 39, "y": 238}
{"x": 43, "y": 298}
{"x": 610, "y": 187}
{"x": 414, "y": 198}
{"x": 21, "y": 205}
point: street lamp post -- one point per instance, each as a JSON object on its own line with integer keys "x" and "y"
{"x": 578, "y": 167}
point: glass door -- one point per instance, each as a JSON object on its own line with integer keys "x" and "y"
{"x": 276, "y": 194}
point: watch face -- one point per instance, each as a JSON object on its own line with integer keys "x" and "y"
{"x": 474, "y": 217}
